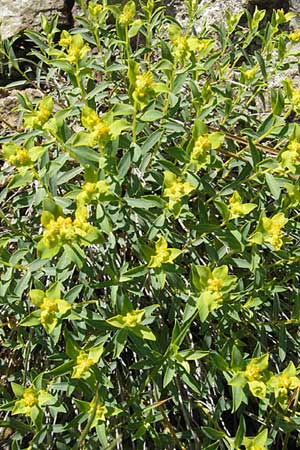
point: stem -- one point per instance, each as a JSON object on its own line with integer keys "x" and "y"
{"x": 91, "y": 418}
{"x": 79, "y": 84}
{"x": 40, "y": 180}
{"x": 126, "y": 44}
{"x": 134, "y": 122}
{"x": 27, "y": 357}
{"x": 286, "y": 441}
{"x": 99, "y": 48}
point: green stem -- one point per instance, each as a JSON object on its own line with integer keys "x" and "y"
{"x": 126, "y": 44}
{"x": 79, "y": 84}
{"x": 134, "y": 122}
{"x": 37, "y": 176}
{"x": 286, "y": 441}
{"x": 99, "y": 48}
{"x": 27, "y": 357}
{"x": 87, "y": 428}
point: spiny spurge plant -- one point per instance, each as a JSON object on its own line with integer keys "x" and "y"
{"x": 149, "y": 247}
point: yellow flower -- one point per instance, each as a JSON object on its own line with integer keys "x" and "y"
{"x": 83, "y": 364}
{"x": 200, "y": 153}
{"x": 252, "y": 372}
{"x": 51, "y": 306}
{"x": 91, "y": 191}
{"x": 101, "y": 411}
{"x": 185, "y": 46}
{"x": 30, "y": 398}
{"x": 80, "y": 224}
{"x": 290, "y": 158}
{"x": 95, "y": 9}
{"x": 273, "y": 229}
{"x": 63, "y": 230}
{"x": 163, "y": 254}
{"x": 65, "y": 39}
{"x": 144, "y": 88}
{"x": 294, "y": 36}
{"x": 100, "y": 414}
{"x": 214, "y": 284}
{"x": 130, "y": 320}
{"x": 133, "y": 318}
{"x": 285, "y": 381}
{"x": 40, "y": 115}
{"x": 60, "y": 230}
{"x": 175, "y": 188}
{"x": 127, "y": 14}
{"x": 100, "y": 130}
{"x": 16, "y": 155}
{"x": 182, "y": 48}
{"x": 237, "y": 208}
{"x": 27, "y": 402}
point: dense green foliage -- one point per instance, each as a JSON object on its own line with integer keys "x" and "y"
{"x": 149, "y": 248}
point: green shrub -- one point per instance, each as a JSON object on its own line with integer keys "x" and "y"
{"x": 149, "y": 245}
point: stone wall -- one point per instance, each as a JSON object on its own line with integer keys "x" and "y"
{"x": 17, "y": 15}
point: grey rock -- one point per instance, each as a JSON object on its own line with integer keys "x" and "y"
{"x": 214, "y": 12}
{"x": 17, "y": 15}
{"x": 9, "y": 115}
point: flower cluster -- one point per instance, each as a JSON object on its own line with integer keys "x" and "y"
{"x": 130, "y": 320}
{"x": 144, "y": 88}
{"x": 41, "y": 114}
{"x": 269, "y": 230}
{"x": 175, "y": 189}
{"x": 92, "y": 191}
{"x": 95, "y": 9}
{"x": 263, "y": 383}
{"x": 200, "y": 155}
{"x": 16, "y": 155}
{"x": 237, "y": 208}
{"x": 290, "y": 158}
{"x": 213, "y": 286}
{"x": 163, "y": 254}
{"x": 30, "y": 400}
{"x": 294, "y": 36}
{"x": 51, "y": 307}
{"x": 100, "y": 131}
{"x": 85, "y": 360}
{"x": 185, "y": 46}
{"x": 75, "y": 47}
{"x": 273, "y": 229}
{"x": 128, "y": 13}
{"x": 63, "y": 230}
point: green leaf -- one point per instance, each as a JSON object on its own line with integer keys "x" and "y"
{"x": 32, "y": 320}
{"x": 135, "y": 28}
{"x": 17, "y": 389}
{"x": 168, "y": 375}
{"x": 274, "y": 186}
{"x": 213, "y": 434}
{"x": 20, "y": 180}
{"x": 152, "y": 115}
{"x": 120, "y": 340}
{"x": 143, "y": 332}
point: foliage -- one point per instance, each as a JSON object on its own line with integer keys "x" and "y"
{"x": 149, "y": 246}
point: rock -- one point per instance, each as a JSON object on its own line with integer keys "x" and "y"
{"x": 214, "y": 12}
{"x": 270, "y": 4}
{"x": 9, "y": 116}
{"x": 17, "y": 15}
